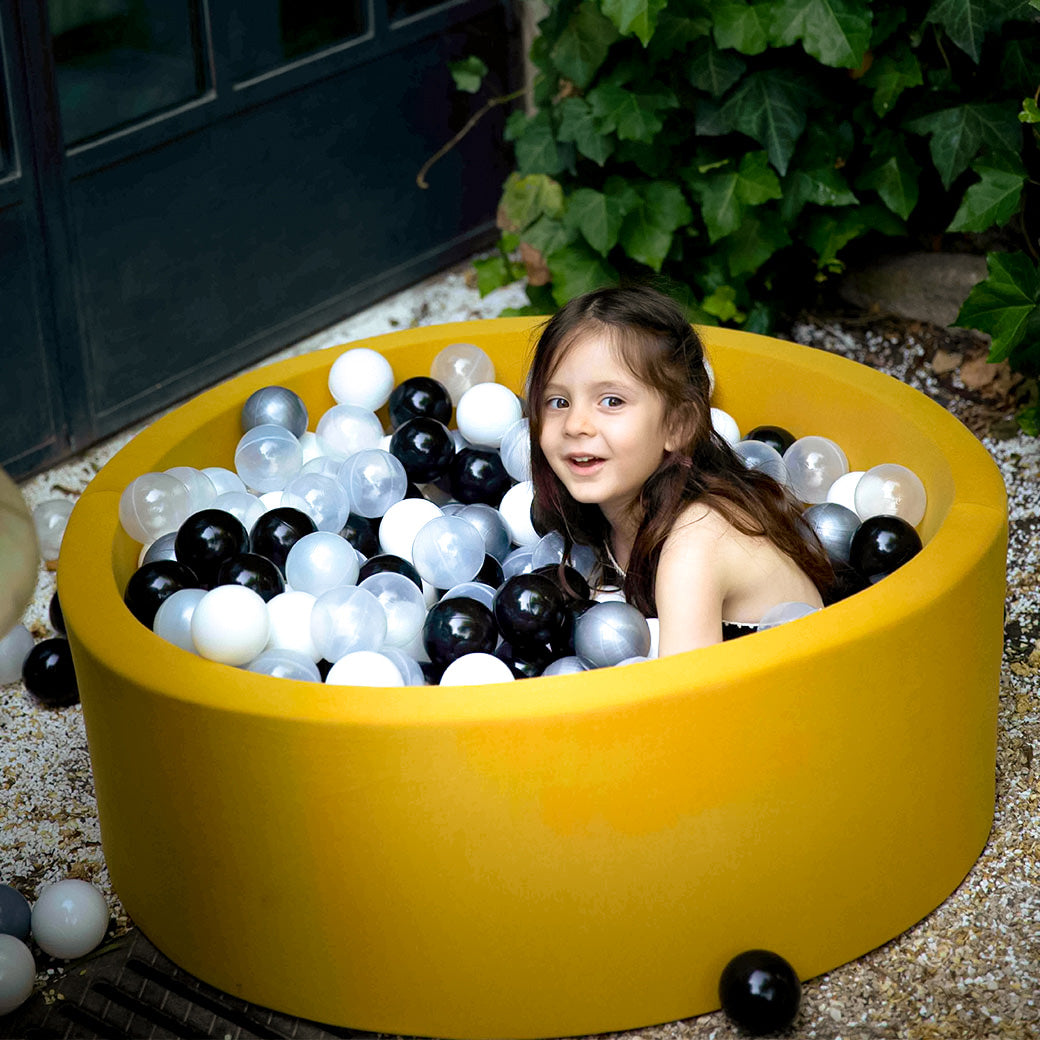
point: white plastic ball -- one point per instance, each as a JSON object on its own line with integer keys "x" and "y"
{"x": 814, "y": 464}
{"x": 230, "y": 625}
{"x": 460, "y": 366}
{"x": 348, "y": 428}
{"x": 654, "y": 624}
{"x": 283, "y": 663}
{"x": 364, "y": 668}
{"x": 50, "y": 519}
{"x": 152, "y": 505}
{"x": 172, "y": 620}
{"x": 320, "y": 561}
{"x": 476, "y": 670}
{"x": 315, "y": 447}
{"x": 363, "y": 377}
{"x": 402, "y": 602}
{"x": 725, "y": 425}
{"x": 515, "y": 508}
{"x": 375, "y": 480}
{"x": 782, "y": 613}
{"x": 484, "y": 413}
{"x": 289, "y": 616}
{"x": 346, "y": 619}
{"x": 610, "y": 632}
{"x": 270, "y": 500}
{"x": 891, "y": 490}
{"x": 277, "y": 405}
{"x": 69, "y": 918}
{"x": 515, "y": 450}
{"x": 248, "y": 508}
{"x": 224, "y": 480}
{"x": 843, "y": 490}
{"x": 200, "y": 487}
{"x": 267, "y": 457}
{"x": 763, "y": 457}
{"x": 401, "y": 523}
{"x": 17, "y": 973}
{"x": 14, "y": 649}
{"x": 488, "y": 521}
{"x": 472, "y": 590}
{"x": 448, "y": 550}
{"x": 324, "y": 499}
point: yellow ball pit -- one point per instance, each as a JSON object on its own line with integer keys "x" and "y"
{"x": 563, "y": 855}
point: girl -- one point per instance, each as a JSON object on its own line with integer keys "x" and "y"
{"x": 625, "y": 459}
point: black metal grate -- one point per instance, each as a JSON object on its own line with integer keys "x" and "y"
{"x": 132, "y": 991}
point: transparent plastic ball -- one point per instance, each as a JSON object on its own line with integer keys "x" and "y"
{"x": 364, "y": 668}
{"x": 834, "y": 525}
{"x": 782, "y": 613}
{"x": 548, "y": 551}
{"x": 484, "y": 413}
{"x": 224, "y": 480}
{"x": 267, "y": 457}
{"x": 477, "y": 669}
{"x": 765, "y": 458}
{"x": 277, "y": 405}
{"x": 163, "y": 548}
{"x": 448, "y": 550}
{"x": 519, "y": 561}
{"x": 201, "y": 488}
{"x": 472, "y": 590}
{"x": 50, "y": 519}
{"x": 375, "y": 480}
{"x": 610, "y": 632}
{"x": 515, "y": 508}
{"x": 890, "y": 489}
{"x": 565, "y": 666}
{"x": 402, "y": 602}
{"x": 843, "y": 490}
{"x": 153, "y": 504}
{"x": 515, "y": 450}
{"x": 348, "y": 428}
{"x": 323, "y": 499}
{"x": 326, "y": 465}
{"x": 346, "y": 619}
{"x": 462, "y": 365}
{"x": 289, "y": 616}
{"x": 361, "y": 376}
{"x": 320, "y": 561}
{"x": 315, "y": 447}
{"x": 401, "y": 523}
{"x": 248, "y": 508}
{"x": 488, "y": 521}
{"x": 406, "y": 663}
{"x": 172, "y": 620}
{"x": 283, "y": 663}
{"x": 230, "y": 625}
{"x": 725, "y": 425}
{"x": 814, "y": 464}
{"x": 14, "y": 648}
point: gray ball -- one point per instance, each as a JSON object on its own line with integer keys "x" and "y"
{"x": 161, "y": 549}
{"x": 834, "y": 525}
{"x": 609, "y": 632}
{"x": 564, "y": 666}
{"x": 277, "y": 405}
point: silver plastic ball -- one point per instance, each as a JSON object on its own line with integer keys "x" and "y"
{"x": 277, "y": 405}
{"x": 834, "y": 525}
{"x": 608, "y": 633}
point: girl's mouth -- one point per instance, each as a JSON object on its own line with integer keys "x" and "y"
{"x": 583, "y": 463}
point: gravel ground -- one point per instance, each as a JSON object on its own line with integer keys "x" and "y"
{"x": 970, "y": 969}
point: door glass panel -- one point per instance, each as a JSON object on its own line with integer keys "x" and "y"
{"x": 5, "y": 145}
{"x": 406, "y": 8}
{"x": 269, "y": 33}
{"x": 118, "y": 61}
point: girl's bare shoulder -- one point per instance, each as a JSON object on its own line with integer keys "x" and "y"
{"x": 698, "y": 524}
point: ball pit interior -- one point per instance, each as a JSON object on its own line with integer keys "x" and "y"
{"x": 570, "y": 854}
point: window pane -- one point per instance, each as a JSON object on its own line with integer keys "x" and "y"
{"x": 405, "y": 8}
{"x": 268, "y": 33}
{"x": 118, "y": 61}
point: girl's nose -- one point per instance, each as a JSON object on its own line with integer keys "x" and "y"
{"x": 578, "y": 422}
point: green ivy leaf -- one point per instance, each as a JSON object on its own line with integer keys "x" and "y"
{"x": 468, "y": 73}
{"x": 548, "y": 235}
{"x": 495, "y": 271}
{"x": 598, "y": 216}
{"x": 893, "y": 174}
{"x": 712, "y": 70}
{"x": 634, "y": 17}
{"x": 536, "y": 147}
{"x": 1030, "y": 112}
{"x": 815, "y": 177}
{"x": 760, "y": 235}
{"x": 741, "y": 27}
{"x": 892, "y": 73}
{"x": 633, "y": 116}
{"x": 726, "y": 194}
{"x": 831, "y": 230}
{"x": 770, "y": 107}
{"x": 578, "y": 269}
{"x": 967, "y": 22}
{"x": 578, "y": 124}
{"x": 647, "y": 231}
{"x": 994, "y": 199}
{"x": 581, "y": 48}
{"x": 834, "y": 32}
{"x": 722, "y": 304}
{"x": 1004, "y": 303}
{"x": 525, "y": 199}
{"x": 675, "y": 31}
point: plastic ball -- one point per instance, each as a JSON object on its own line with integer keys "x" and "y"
{"x": 248, "y": 508}
{"x": 572, "y": 583}
{"x": 347, "y": 428}
{"x": 763, "y": 457}
{"x": 491, "y": 572}
{"x": 782, "y": 613}
{"x": 529, "y": 609}
{"x": 834, "y": 526}
{"x": 525, "y": 662}
{"x": 277, "y": 531}
{"x": 570, "y": 665}
{"x": 324, "y": 499}
{"x": 346, "y": 619}
{"x": 374, "y": 480}
{"x": 14, "y": 648}
{"x": 891, "y": 490}
{"x": 455, "y": 627}
{"x": 760, "y": 992}
{"x": 725, "y": 425}
{"x": 364, "y": 668}
{"x": 419, "y": 396}
{"x": 363, "y": 533}
{"x": 55, "y": 615}
{"x": 515, "y": 450}
{"x": 15, "y": 913}
{"x": 484, "y": 413}
{"x": 814, "y": 464}
{"x": 401, "y": 523}
{"x": 154, "y": 582}
{"x": 163, "y": 548}
{"x": 424, "y": 447}
{"x": 549, "y": 550}
{"x": 407, "y": 665}
{"x": 478, "y": 475}
{"x": 321, "y": 561}
{"x": 881, "y": 545}
{"x": 50, "y": 519}
{"x": 283, "y": 663}
{"x": 461, "y": 365}
{"x": 208, "y": 538}
{"x": 478, "y": 590}
{"x": 775, "y": 436}
{"x": 519, "y": 561}
{"x": 267, "y": 457}
{"x": 276, "y": 406}
{"x": 201, "y": 489}
{"x": 17, "y": 973}
{"x": 610, "y": 632}
{"x": 402, "y": 602}
{"x": 492, "y": 528}
{"x": 230, "y": 625}
{"x": 69, "y": 918}
{"x": 172, "y": 620}
{"x": 843, "y": 490}
{"x": 447, "y": 550}
{"x": 253, "y": 572}
{"x": 515, "y": 508}
{"x": 362, "y": 377}
{"x": 153, "y": 504}
{"x": 289, "y": 618}
{"x": 382, "y": 562}
{"x": 315, "y": 447}
{"x": 224, "y": 480}
{"x": 476, "y": 669}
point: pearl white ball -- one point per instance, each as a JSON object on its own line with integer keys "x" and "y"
{"x": 69, "y": 918}
{"x": 289, "y": 618}
{"x": 476, "y": 670}
{"x": 364, "y": 668}
{"x": 485, "y": 412}
{"x": 361, "y": 376}
{"x": 843, "y": 491}
{"x": 230, "y": 625}
{"x": 401, "y": 523}
{"x": 515, "y": 508}
{"x": 725, "y": 425}
{"x": 17, "y": 973}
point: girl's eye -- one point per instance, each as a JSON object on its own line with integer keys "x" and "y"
{"x": 610, "y": 401}
{"x": 554, "y": 403}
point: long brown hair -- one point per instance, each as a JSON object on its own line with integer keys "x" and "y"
{"x": 655, "y": 340}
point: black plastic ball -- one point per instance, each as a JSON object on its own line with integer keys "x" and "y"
{"x": 563, "y": 641}
{"x": 570, "y": 582}
{"x": 208, "y": 538}
{"x": 530, "y": 610}
{"x": 255, "y": 572}
{"x": 154, "y": 582}
{"x": 382, "y": 562}
{"x": 760, "y": 992}
{"x": 277, "y": 531}
{"x": 56, "y": 617}
{"x": 478, "y": 475}
{"x": 458, "y": 626}
{"x": 526, "y": 662}
{"x": 424, "y": 447}
{"x": 419, "y": 396}
{"x": 49, "y": 674}
{"x": 881, "y": 545}
{"x": 775, "y": 436}
{"x": 490, "y": 572}
{"x": 362, "y": 533}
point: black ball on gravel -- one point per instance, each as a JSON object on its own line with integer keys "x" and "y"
{"x": 49, "y": 675}
{"x": 760, "y": 992}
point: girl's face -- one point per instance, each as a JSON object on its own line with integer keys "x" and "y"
{"x": 604, "y": 432}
